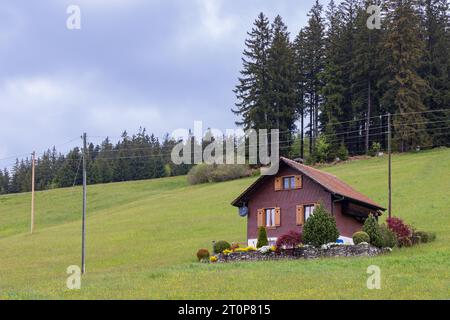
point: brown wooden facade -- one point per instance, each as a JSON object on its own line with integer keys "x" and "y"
{"x": 289, "y": 204}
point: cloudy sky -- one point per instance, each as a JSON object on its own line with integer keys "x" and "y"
{"x": 159, "y": 64}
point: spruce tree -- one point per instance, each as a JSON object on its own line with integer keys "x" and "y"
{"x": 372, "y": 228}
{"x": 405, "y": 89}
{"x": 436, "y": 68}
{"x": 300, "y": 76}
{"x": 320, "y": 228}
{"x": 364, "y": 73}
{"x": 252, "y": 104}
{"x": 262, "y": 238}
{"x": 348, "y": 14}
{"x": 314, "y": 64}
{"x": 333, "y": 90}
{"x": 282, "y": 110}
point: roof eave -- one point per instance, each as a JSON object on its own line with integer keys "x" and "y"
{"x": 367, "y": 204}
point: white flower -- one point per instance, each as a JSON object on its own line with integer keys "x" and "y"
{"x": 265, "y": 249}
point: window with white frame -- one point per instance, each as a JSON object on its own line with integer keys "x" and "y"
{"x": 270, "y": 217}
{"x": 309, "y": 210}
{"x": 289, "y": 183}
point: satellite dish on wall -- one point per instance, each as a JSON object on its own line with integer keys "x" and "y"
{"x": 243, "y": 211}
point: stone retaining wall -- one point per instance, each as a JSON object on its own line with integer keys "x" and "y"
{"x": 306, "y": 252}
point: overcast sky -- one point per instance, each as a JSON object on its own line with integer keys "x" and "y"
{"x": 159, "y": 64}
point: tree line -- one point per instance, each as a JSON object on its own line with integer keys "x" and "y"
{"x": 141, "y": 156}
{"x": 330, "y": 87}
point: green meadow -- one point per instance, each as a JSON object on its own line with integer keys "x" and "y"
{"x": 142, "y": 238}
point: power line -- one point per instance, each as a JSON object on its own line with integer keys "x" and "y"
{"x": 420, "y": 112}
{"x": 160, "y": 155}
{"x": 361, "y": 130}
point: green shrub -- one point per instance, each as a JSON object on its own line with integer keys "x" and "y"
{"x": 425, "y": 237}
{"x": 342, "y": 152}
{"x": 405, "y": 242}
{"x": 322, "y": 150}
{"x": 199, "y": 174}
{"x": 202, "y": 254}
{"x": 360, "y": 236}
{"x": 431, "y": 236}
{"x": 422, "y": 235}
{"x": 374, "y": 149}
{"x": 220, "y": 246}
{"x": 228, "y": 172}
{"x": 204, "y": 173}
{"x": 415, "y": 239}
{"x": 262, "y": 238}
{"x": 320, "y": 228}
{"x": 389, "y": 237}
{"x": 372, "y": 228}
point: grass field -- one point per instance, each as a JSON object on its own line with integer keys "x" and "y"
{"x": 143, "y": 236}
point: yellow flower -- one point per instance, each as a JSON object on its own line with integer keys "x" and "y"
{"x": 213, "y": 259}
{"x": 273, "y": 248}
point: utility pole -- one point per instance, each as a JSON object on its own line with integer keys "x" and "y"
{"x": 33, "y": 175}
{"x": 390, "y": 165}
{"x": 83, "y": 226}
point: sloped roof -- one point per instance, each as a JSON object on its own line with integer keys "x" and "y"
{"x": 326, "y": 180}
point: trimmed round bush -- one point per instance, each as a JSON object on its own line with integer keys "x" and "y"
{"x": 360, "y": 236}
{"x": 220, "y": 246}
{"x": 320, "y": 228}
{"x": 372, "y": 228}
{"x": 262, "y": 238}
{"x": 202, "y": 254}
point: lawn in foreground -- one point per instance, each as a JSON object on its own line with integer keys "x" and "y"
{"x": 142, "y": 239}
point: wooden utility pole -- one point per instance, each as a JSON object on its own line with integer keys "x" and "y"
{"x": 83, "y": 225}
{"x": 33, "y": 175}
{"x": 390, "y": 165}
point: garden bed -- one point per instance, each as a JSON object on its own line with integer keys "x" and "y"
{"x": 305, "y": 252}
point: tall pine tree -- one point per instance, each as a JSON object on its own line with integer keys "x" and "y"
{"x": 252, "y": 90}
{"x": 282, "y": 113}
{"x": 405, "y": 89}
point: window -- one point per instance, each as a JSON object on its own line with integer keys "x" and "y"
{"x": 309, "y": 210}
{"x": 289, "y": 183}
{"x": 270, "y": 217}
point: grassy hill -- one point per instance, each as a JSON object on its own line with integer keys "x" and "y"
{"x": 142, "y": 238}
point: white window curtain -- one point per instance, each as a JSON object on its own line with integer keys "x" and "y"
{"x": 309, "y": 210}
{"x": 270, "y": 217}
